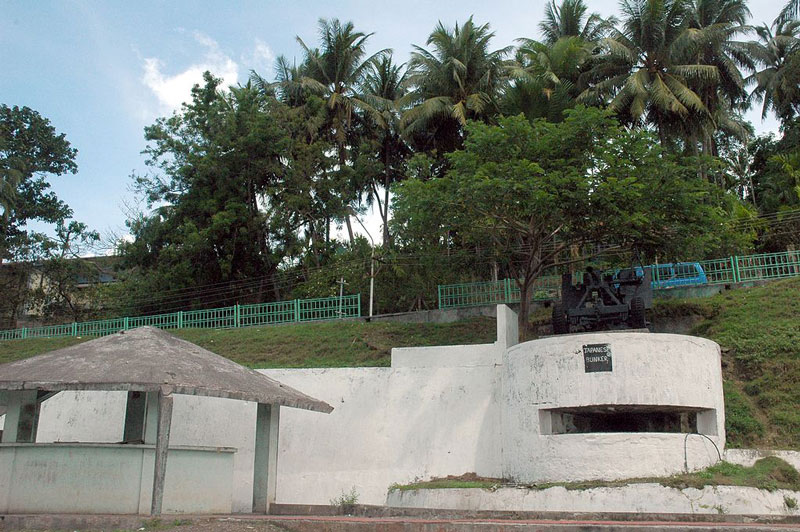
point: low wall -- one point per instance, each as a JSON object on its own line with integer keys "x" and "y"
{"x": 196, "y": 421}
{"x": 748, "y": 457}
{"x": 388, "y": 426}
{"x": 633, "y": 498}
{"x": 108, "y": 478}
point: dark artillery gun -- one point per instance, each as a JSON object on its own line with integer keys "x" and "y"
{"x": 610, "y": 301}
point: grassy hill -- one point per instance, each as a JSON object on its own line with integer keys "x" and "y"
{"x": 309, "y": 345}
{"x": 758, "y": 329}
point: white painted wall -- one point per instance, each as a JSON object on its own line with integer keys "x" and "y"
{"x": 107, "y": 478}
{"x": 388, "y": 426}
{"x": 196, "y": 421}
{"x": 638, "y": 498}
{"x": 648, "y": 369}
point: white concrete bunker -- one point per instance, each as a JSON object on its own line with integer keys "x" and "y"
{"x": 610, "y": 405}
{"x": 575, "y": 407}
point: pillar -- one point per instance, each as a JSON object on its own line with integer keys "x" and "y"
{"x": 162, "y": 447}
{"x": 265, "y": 466}
{"x": 22, "y": 417}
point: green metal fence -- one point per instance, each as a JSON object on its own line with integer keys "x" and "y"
{"x": 296, "y": 310}
{"x": 729, "y": 270}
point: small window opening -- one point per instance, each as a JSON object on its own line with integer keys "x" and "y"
{"x": 627, "y": 418}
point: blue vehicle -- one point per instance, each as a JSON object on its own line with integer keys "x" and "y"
{"x": 678, "y": 274}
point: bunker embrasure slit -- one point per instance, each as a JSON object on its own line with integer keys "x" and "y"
{"x": 627, "y": 418}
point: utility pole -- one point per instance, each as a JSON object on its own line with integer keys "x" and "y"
{"x": 371, "y": 264}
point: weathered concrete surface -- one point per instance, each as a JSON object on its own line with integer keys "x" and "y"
{"x": 748, "y": 457}
{"x": 107, "y": 478}
{"x": 389, "y": 426}
{"x": 148, "y": 359}
{"x": 637, "y": 498}
{"x": 200, "y": 421}
{"x": 449, "y": 356}
{"x": 648, "y": 370}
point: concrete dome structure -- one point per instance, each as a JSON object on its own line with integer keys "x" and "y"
{"x": 610, "y": 405}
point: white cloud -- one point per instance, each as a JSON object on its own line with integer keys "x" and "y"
{"x": 260, "y": 58}
{"x": 173, "y": 90}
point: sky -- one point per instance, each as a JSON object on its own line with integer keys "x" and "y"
{"x": 101, "y": 71}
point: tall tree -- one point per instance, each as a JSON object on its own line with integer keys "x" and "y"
{"x": 545, "y": 78}
{"x": 647, "y": 71}
{"x": 335, "y": 71}
{"x": 713, "y": 25}
{"x": 384, "y": 151}
{"x": 31, "y": 151}
{"x": 523, "y": 190}
{"x": 776, "y": 54}
{"x": 213, "y": 165}
{"x": 569, "y": 20}
{"x": 458, "y": 80}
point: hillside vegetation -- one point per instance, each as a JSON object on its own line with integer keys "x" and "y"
{"x": 308, "y": 345}
{"x": 758, "y": 329}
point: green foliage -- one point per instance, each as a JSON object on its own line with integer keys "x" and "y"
{"x": 520, "y": 191}
{"x": 234, "y": 184}
{"x": 30, "y": 151}
{"x": 346, "y": 502}
{"x": 742, "y": 429}
{"x": 46, "y": 276}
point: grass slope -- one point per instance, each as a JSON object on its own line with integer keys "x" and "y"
{"x": 310, "y": 345}
{"x": 758, "y": 329}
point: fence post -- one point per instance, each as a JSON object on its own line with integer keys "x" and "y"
{"x": 506, "y": 290}
{"x": 438, "y": 293}
{"x": 24, "y": 332}
{"x": 236, "y": 315}
{"x": 359, "y": 305}
{"x": 735, "y": 266}
{"x": 126, "y": 323}
{"x": 180, "y": 319}
{"x": 297, "y": 310}
{"x": 74, "y": 329}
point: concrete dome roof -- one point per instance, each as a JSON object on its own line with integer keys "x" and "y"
{"x": 149, "y": 359}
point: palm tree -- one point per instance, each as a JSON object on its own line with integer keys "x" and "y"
{"x": 789, "y": 11}
{"x": 569, "y": 20}
{"x": 384, "y": 88}
{"x": 712, "y": 26}
{"x": 546, "y": 77}
{"x": 335, "y": 71}
{"x": 458, "y": 80}
{"x": 777, "y": 75}
{"x": 647, "y": 72}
